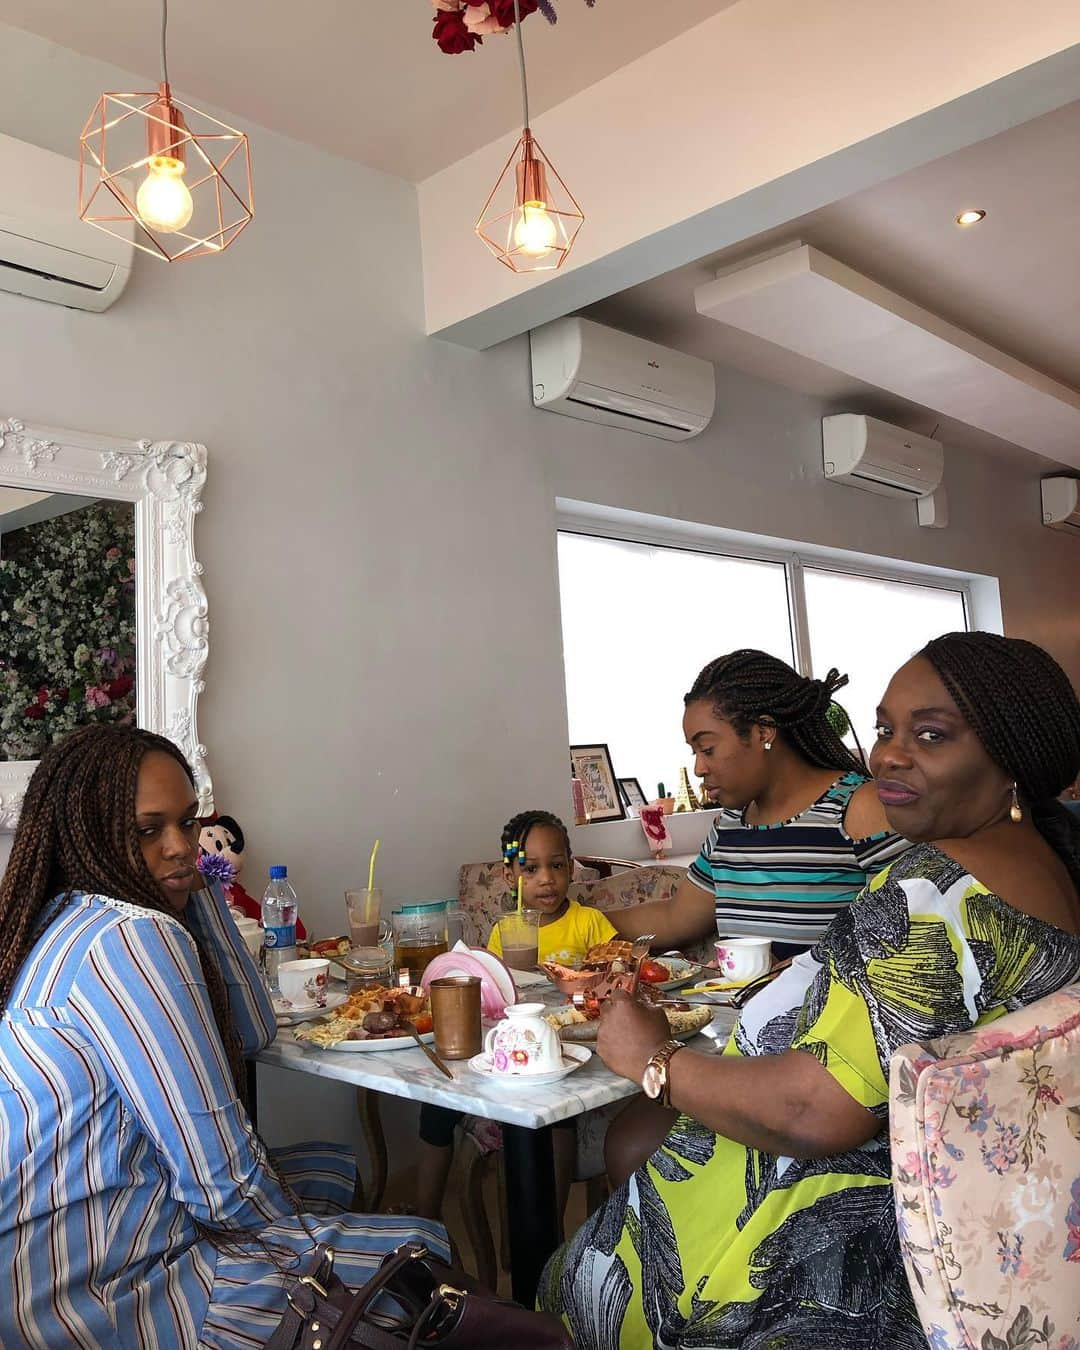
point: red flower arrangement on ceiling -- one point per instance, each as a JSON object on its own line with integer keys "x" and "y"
{"x": 462, "y": 25}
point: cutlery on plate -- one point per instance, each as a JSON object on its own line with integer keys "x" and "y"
{"x": 638, "y": 952}
{"x": 429, "y": 1052}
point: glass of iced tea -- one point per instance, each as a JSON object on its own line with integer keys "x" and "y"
{"x": 519, "y": 936}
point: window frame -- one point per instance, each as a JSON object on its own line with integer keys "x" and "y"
{"x": 794, "y": 561}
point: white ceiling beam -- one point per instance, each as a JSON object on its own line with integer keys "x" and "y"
{"x": 808, "y": 303}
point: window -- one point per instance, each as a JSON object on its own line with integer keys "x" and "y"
{"x": 867, "y": 628}
{"x": 640, "y": 621}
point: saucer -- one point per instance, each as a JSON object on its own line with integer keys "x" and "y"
{"x": 574, "y": 1056}
{"x": 293, "y": 1015}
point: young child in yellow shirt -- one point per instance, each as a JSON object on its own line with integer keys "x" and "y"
{"x": 536, "y": 848}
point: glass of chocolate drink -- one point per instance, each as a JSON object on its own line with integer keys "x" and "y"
{"x": 519, "y": 935}
{"x": 367, "y": 927}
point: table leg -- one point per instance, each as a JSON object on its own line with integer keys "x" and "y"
{"x": 530, "y": 1216}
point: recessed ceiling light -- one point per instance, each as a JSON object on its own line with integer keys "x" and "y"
{"x": 970, "y": 217}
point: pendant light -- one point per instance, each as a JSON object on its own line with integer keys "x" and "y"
{"x": 530, "y": 220}
{"x": 181, "y": 175}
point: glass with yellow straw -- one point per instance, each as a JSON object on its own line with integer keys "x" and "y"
{"x": 519, "y": 935}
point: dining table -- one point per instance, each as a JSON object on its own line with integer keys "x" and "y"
{"x": 525, "y": 1112}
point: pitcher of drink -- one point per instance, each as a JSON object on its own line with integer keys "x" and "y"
{"x": 419, "y": 936}
{"x": 519, "y": 936}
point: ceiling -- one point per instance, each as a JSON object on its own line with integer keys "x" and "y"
{"x": 361, "y": 78}
{"x": 1012, "y": 280}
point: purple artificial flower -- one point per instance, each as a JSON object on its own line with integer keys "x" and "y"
{"x": 216, "y": 867}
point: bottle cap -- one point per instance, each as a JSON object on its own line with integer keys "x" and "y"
{"x": 278, "y": 873}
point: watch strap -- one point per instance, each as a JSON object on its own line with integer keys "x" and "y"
{"x": 660, "y": 1060}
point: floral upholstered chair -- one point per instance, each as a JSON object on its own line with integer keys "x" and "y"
{"x": 986, "y": 1168}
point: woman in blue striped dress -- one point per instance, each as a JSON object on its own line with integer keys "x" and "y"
{"x": 138, "y": 1207}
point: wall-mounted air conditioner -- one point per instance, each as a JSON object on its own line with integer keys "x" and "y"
{"x": 865, "y": 453}
{"x": 46, "y": 251}
{"x": 1061, "y": 504}
{"x": 583, "y": 369}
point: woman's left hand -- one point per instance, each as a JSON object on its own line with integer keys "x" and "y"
{"x": 630, "y": 1034}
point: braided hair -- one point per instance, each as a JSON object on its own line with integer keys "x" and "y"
{"x": 748, "y": 687}
{"x": 77, "y": 832}
{"x": 516, "y": 831}
{"x": 1022, "y": 707}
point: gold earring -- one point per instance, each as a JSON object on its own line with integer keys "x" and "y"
{"x": 1016, "y": 815}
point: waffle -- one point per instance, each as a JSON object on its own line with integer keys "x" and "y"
{"x": 618, "y": 949}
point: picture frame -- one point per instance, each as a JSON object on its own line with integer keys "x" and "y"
{"x": 632, "y": 793}
{"x": 592, "y": 766}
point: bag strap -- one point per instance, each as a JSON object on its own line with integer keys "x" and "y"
{"x": 365, "y": 1296}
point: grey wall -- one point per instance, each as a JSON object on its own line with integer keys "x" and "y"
{"x": 378, "y": 533}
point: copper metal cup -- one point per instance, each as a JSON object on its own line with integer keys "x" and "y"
{"x": 455, "y": 1012}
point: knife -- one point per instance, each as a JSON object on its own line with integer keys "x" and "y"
{"x": 429, "y": 1052}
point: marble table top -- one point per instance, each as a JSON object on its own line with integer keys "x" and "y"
{"x": 409, "y": 1074}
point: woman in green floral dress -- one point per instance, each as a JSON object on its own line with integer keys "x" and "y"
{"x": 765, "y": 1218}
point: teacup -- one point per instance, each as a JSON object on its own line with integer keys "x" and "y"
{"x": 523, "y": 1042}
{"x": 303, "y": 983}
{"x": 743, "y": 958}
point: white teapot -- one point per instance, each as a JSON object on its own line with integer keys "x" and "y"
{"x": 523, "y": 1042}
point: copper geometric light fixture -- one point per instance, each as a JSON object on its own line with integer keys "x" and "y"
{"x": 530, "y": 219}
{"x": 196, "y": 195}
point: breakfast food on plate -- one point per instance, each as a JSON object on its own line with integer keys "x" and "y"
{"x": 335, "y": 946}
{"x": 370, "y": 1014}
{"x": 574, "y": 1024}
{"x": 654, "y": 972}
{"x": 605, "y": 953}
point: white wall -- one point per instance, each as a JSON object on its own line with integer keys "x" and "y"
{"x": 379, "y": 526}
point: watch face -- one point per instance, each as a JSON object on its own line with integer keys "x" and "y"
{"x": 651, "y": 1081}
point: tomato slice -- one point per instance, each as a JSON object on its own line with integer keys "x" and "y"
{"x": 652, "y": 972}
{"x": 422, "y": 1022}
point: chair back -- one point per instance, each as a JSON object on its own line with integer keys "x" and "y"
{"x": 985, "y": 1141}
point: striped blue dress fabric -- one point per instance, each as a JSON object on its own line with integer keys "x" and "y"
{"x": 788, "y": 881}
{"x": 120, "y": 1129}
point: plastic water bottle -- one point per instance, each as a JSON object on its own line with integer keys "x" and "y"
{"x": 279, "y": 908}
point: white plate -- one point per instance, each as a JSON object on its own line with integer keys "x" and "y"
{"x": 376, "y": 1043}
{"x": 291, "y": 1017}
{"x": 682, "y": 971}
{"x": 574, "y": 1056}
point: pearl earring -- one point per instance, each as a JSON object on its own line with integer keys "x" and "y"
{"x": 1016, "y": 815}
{"x": 768, "y": 745}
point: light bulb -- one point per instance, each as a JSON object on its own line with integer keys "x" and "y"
{"x": 535, "y": 233}
{"x": 164, "y": 201}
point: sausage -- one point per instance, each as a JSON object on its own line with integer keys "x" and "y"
{"x": 380, "y": 1021}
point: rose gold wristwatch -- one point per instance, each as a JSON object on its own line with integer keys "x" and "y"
{"x": 654, "y": 1081}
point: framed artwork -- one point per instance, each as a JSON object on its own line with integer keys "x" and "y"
{"x": 632, "y": 794}
{"x": 592, "y": 765}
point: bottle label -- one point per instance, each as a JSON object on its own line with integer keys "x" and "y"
{"x": 284, "y": 936}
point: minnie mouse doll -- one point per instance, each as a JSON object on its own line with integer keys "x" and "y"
{"x": 222, "y": 838}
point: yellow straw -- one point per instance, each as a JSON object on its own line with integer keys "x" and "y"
{"x": 521, "y": 882}
{"x": 371, "y": 869}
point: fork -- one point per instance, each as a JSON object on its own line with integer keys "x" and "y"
{"x": 638, "y": 953}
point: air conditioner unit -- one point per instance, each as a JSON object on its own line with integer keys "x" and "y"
{"x": 583, "y": 369}
{"x": 864, "y": 453}
{"x": 1061, "y": 503}
{"x": 46, "y": 251}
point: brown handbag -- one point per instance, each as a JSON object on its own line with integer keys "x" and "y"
{"x": 439, "y": 1307}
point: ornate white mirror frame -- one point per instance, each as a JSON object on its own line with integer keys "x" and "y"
{"x": 164, "y": 481}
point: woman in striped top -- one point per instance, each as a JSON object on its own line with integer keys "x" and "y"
{"x": 800, "y": 828}
{"x": 138, "y": 1207}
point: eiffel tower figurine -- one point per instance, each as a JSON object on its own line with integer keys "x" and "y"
{"x": 686, "y": 798}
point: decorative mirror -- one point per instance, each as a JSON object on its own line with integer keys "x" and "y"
{"x": 102, "y": 607}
